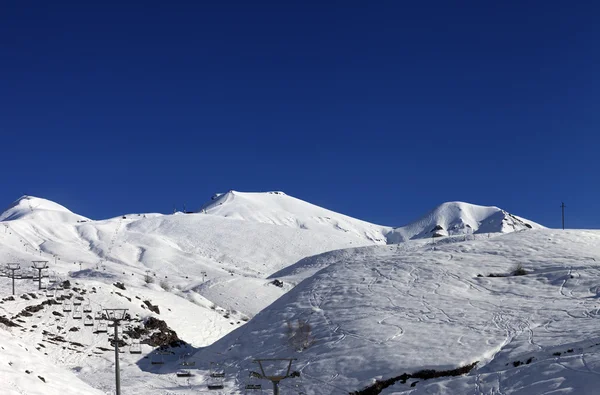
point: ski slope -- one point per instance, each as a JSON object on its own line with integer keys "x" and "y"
{"x": 385, "y": 312}
{"x": 211, "y": 275}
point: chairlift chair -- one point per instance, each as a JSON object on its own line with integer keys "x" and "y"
{"x": 184, "y": 360}
{"x": 77, "y": 313}
{"x": 253, "y": 389}
{"x": 184, "y": 373}
{"x": 135, "y": 347}
{"x": 88, "y": 321}
{"x": 102, "y": 327}
{"x": 253, "y": 386}
{"x": 87, "y": 308}
{"x": 77, "y": 302}
{"x": 216, "y": 377}
{"x": 49, "y": 292}
{"x": 158, "y": 358}
{"x": 67, "y": 307}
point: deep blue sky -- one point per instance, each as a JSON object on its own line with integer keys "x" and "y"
{"x": 377, "y": 109}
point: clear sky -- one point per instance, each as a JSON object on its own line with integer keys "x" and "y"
{"x": 377, "y": 109}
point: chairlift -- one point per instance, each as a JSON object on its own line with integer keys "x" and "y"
{"x": 253, "y": 389}
{"x": 158, "y": 358}
{"x": 184, "y": 373}
{"x": 87, "y": 308}
{"x": 77, "y": 313}
{"x": 88, "y": 321}
{"x": 253, "y": 386}
{"x": 102, "y": 327}
{"x": 77, "y": 302}
{"x": 67, "y": 306}
{"x": 50, "y": 292}
{"x": 216, "y": 377}
{"x": 184, "y": 360}
{"x": 135, "y": 347}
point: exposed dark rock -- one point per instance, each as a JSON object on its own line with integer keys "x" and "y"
{"x": 152, "y": 307}
{"x": 422, "y": 374}
{"x": 163, "y": 335}
{"x": 277, "y": 283}
{"x": 119, "y": 285}
{"x": 7, "y": 322}
{"x": 123, "y": 296}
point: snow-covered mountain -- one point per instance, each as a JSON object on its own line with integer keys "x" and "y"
{"x": 206, "y": 274}
{"x": 277, "y": 208}
{"x": 39, "y": 209}
{"x": 458, "y": 218}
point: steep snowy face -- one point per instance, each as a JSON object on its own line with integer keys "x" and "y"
{"x": 277, "y": 208}
{"x": 39, "y": 209}
{"x": 458, "y": 218}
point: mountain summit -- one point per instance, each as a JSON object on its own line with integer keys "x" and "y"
{"x": 459, "y": 218}
{"x": 38, "y": 208}
{"x": 448, "y": 219}
{"x": 277, "y": 208}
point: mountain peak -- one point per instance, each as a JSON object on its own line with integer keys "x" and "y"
{"x": 459, "y": 218}
{"x": 40, "y": 208}
{"x": 277, "y": 208}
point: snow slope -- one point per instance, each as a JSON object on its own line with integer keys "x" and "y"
{"x": 277, "y": 208}
{"x": 23, "y": 370}
{"x": 458, "y": 218}
{"x": 380, "y": 314}
{"x": 212, "y": 271}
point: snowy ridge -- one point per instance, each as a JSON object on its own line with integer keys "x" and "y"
{"x": 458, "y": 218}
{"x": 40, "y": 209}
{"x": 277, "y": 208}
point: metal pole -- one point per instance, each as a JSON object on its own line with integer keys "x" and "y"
{"x": 13, "y": 278}
{"x": 40, "y": 279}
{"x": 117, "y": 372}
{"x": 275, "y": 387}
